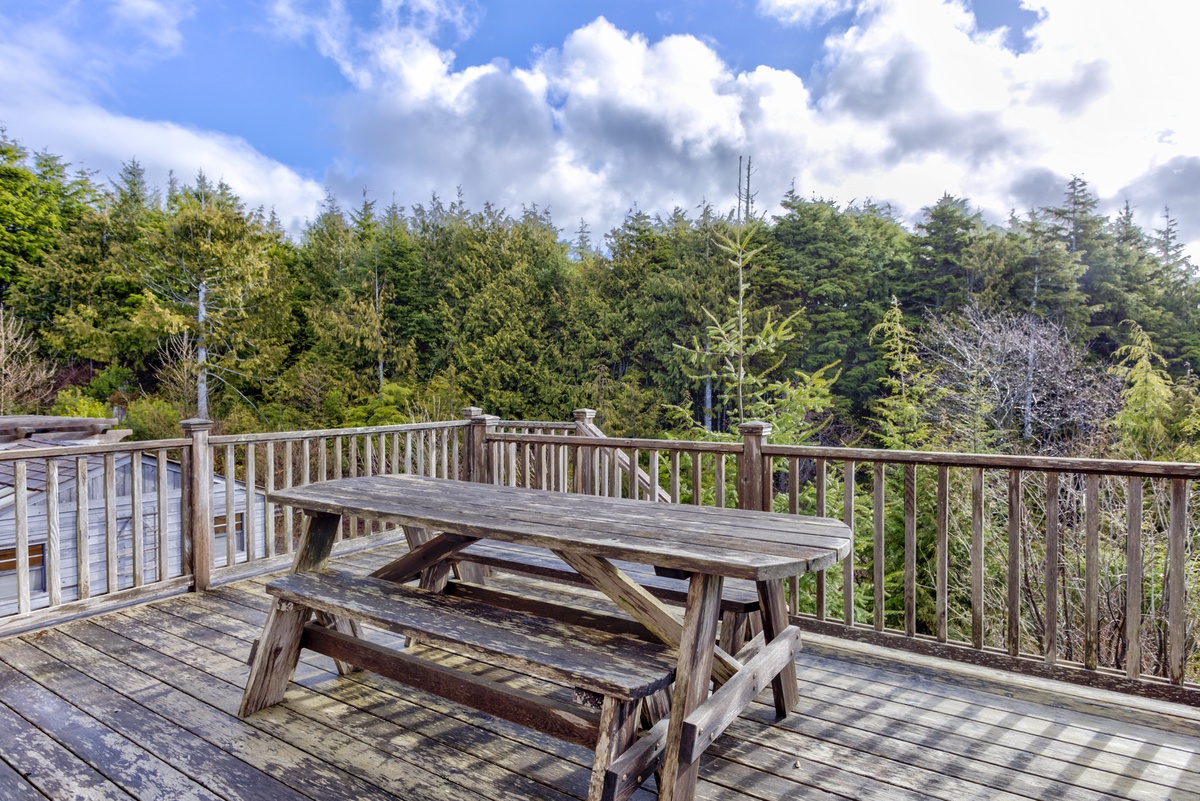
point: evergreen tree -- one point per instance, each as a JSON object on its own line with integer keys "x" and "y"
{"x": 939, "y": 279}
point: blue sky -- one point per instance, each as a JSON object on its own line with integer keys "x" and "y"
{"x": 592, "y": 107}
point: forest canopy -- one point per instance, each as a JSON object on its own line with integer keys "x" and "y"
{"x": 1062, "y": 330}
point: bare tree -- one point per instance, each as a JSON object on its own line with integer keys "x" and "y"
{"x": 1005, "y": 374}
{"x": 24, "y": 377}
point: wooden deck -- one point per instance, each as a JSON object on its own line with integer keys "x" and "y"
{"x": 141, "y": 704}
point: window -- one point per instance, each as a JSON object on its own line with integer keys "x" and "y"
{"x": 8, "y": 570}
{"x": 221, "y": 530}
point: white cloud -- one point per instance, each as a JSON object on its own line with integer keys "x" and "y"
{"x": 913, "y": 100}
{"x": 157, "y": 20}
{"x": 803, "y": 12}
{"x": 45, "y": 106}
{"x": 916, "y": 100}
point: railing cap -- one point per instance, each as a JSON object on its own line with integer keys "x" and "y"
{"x": 752, "y": 428}
{"x": 584, "y": 414}
{"x": 471, "y": 412}
{"x": 196, "y": 424}
{"x": 485, "y": 420}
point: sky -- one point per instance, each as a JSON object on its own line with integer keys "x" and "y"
{"x": 592, "y": 108}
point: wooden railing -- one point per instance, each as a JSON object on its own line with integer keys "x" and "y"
{"x": 280, "y": 460}
{"x": 166, "y": 516}
{"x": 1081, "y": 569}
{"x": 87, "y": 526}
{"x": 1072, "y": 568}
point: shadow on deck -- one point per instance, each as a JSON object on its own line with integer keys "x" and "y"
{"x": 141, "y": 703}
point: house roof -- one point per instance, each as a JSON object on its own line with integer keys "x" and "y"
{"x": 21, "y": 426}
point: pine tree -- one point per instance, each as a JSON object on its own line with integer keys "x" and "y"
{"x": 901, "y": 414}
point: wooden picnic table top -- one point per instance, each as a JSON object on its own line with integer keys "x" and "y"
{"x": 736, "y": 543}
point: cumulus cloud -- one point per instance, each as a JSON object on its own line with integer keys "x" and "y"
{"x": 914, "y": 100}
{"x": 911, "y": 99}
{"x": 46, "y": 106}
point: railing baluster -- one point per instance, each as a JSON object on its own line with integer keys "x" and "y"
{"x": 793, "y": 485}
{"x": 719, "y": 479}
{"x": 52, "y": 564}
{"x": 288, "y": 519}
{"x": 942, "y": 555}
{"x": 1013, "y": 638}
{"x": 614, "y": 473}
{"x": 455, "y": 466}
{"x": 135, "y": 502}
{"x": 1091, "y": 603}
{"x": 635, "y": 491}
{"x": 111, "y": 547}
{"x": 910, "y": 550}
{"x": 270, "y": 507}
{"x": 337, "y": 456}
{"x": 420, "y": 448}
{"x": 1050, "y": 572}
{"x": 652, "y": 475}
{"x": 1134, "y": 586}
{"x": 431, "y": 443}
{"x": 674, "y": 476}
{"x": 510, "y": 450}
{"x": 83, "y": 553}
{"x": 697, "y": 478}
{"x": 230, "y": 508}
{"x": 323, "y": 459}
{"x": 21, "y": 513}
{"x": 819, "y": 478}
{"x": 848, "y": 562}
{"x": 445, "y": 447}
{"x": 162, "y": 485}
{"x": 1176, "y": 592}
{"x": 819, "y": 483}
{"x": 977, "y": 558}
{"x": 408, "y": 453}
{"x": 251, "y": 505}
{"x": 877, "y": 552}
{"x": 306, "y": 460}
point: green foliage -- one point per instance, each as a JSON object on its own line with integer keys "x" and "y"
{"x": 71, "y": 402}
{"x": 736, "y": 357}
{"x": 113, "y": 380}
{"x": 393, "y": 314}
{"x": 152, "y": 418}
{"x": 901, "y": 413}
{"x": 1148, "y": 397}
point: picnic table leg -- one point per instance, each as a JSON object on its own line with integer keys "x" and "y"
{"x": 618, "y": 730}
{"x": 775, "y": 620}
{"x": 692, "y": 676}
{"x": 275, "y": 658}
{"x": 278, "y": 649}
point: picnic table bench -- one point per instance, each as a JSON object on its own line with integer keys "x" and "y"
{"x": 627, "y": 665}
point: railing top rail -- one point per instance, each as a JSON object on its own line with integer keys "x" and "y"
{"x": 550, "y": 426}
{"x": 281, "y": 436}
{"x": 64, "y": 451}
{"x": 621, "y": 442}
{"x": 1051, "y": 464}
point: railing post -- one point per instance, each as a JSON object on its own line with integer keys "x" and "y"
{"x": 469, "y": 413}
{"x": 753, "y": 490}
{"x": 585, "y": 474}
{"x": 198, "y": 528}
{"x": 479, "y": 467}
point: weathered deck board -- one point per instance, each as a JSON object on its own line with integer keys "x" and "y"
{"x": 141, "y": 704}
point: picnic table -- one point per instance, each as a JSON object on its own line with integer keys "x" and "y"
{"x": 627, "y": 669}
